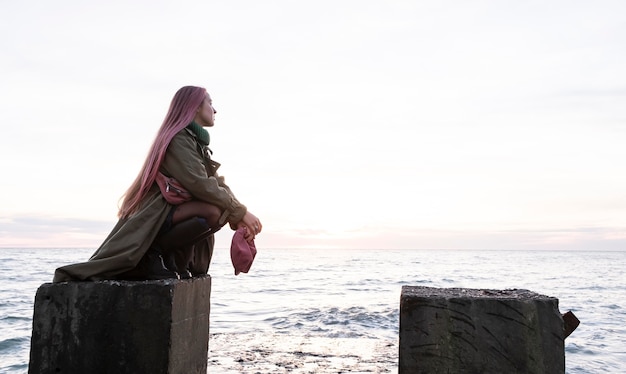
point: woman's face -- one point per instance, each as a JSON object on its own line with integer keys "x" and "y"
{"x": 205, "y": 116}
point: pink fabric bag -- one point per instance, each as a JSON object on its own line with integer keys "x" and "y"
{"x": 173, "y": 192}
{"x": 242, "y": 253}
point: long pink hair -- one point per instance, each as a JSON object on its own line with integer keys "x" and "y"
{"x": 182, "y": 111}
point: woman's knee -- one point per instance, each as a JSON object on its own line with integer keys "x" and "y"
{"x": 213, "y": 213}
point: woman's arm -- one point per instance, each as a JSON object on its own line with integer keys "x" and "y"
{"x": 183, "y": 162}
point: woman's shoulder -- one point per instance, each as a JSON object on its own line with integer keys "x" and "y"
{"x": 184, "y": 133}
{"x": 185, "y": 141}
{"x": 184, "y": 138}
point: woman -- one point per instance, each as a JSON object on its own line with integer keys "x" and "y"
{"x": 154, "y": 239}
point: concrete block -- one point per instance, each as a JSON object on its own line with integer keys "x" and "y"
{"x": 458, "y": 330}
{"x": 121, "y": 327}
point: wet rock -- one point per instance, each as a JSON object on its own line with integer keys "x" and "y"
{"x": 459, "y": 330}
{"x": 121, "y": 327}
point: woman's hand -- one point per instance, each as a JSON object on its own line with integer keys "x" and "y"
{"x": 252, "y": 224}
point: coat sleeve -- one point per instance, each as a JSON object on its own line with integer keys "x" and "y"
{"x": 185, "y": 163}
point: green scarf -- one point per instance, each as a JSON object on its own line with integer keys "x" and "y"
{"x": 201, "y": 133}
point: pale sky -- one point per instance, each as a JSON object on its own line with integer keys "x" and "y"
{"x": 360, "y": 124}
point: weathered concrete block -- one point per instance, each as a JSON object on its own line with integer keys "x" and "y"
{"x": 121, "y": 327}
{"x": 458, "y": 330}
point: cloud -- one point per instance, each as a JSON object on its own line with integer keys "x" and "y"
{"x": 66, "y": 232}
{"x": 370, "y": 237}
{"x": 468, "y": 119}
{"x": 51, "y": 231}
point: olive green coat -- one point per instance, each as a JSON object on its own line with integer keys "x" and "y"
{"x": 188, "y": 162}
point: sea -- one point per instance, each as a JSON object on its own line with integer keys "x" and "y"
{"x": 307, "y": 310}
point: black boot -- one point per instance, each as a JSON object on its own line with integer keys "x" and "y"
{"x": 178, "y": 261}
{"x": 178, "y": 244}
{"x": 150, "y": 267}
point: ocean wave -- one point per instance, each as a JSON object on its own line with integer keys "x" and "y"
{"x": 14, "y": 317}
{"x": 336, "y": 322}
{"x": 291, "y": 304}
{"x": 13, "y": 344}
